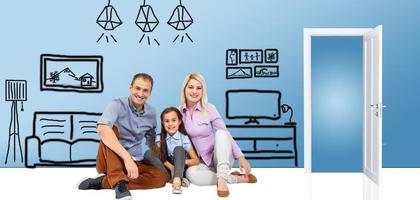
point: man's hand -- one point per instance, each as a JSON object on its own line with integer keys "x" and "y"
{"x": 132, "y": 170}
{"x": 244, "y": 166}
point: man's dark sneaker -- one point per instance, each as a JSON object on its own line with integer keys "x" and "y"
{"x": 121, "y": 191}
{"x": 91, "y": 183}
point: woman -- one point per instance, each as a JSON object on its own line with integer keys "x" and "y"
{"x": 214, "y": 144}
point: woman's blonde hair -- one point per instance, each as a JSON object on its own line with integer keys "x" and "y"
{"x": 204, "y": 101}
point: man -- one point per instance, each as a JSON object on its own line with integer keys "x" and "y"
{"x": 121, "y": 128}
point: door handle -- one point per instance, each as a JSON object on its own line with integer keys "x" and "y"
{"x": 377, "y": 106}
{"x": 381, "y": 109}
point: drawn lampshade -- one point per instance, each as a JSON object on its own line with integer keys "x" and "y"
{"x": 146, "y": 19}
{"x": 180, "y": 18}
{"x": 16, "y": 90}
{"x": 109, "y": 19}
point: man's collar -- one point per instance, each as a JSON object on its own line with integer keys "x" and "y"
{"x": 133, "y": 108}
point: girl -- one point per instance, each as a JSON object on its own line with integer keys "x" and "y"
{"x": 172, "y": 147}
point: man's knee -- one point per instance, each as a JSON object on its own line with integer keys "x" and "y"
{"x": 160, "y": 178}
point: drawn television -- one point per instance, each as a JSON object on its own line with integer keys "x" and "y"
{"x": 253, "y": 105}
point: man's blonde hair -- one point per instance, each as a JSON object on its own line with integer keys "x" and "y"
{"x": 204, "y": 101}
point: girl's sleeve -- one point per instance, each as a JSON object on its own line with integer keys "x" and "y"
{"x": 186, "y": 143}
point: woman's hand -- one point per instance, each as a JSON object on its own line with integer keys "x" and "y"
{"x": 244, "y": 166}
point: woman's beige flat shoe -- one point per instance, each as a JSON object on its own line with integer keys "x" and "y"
{"x": 222, "y": 193}
{"x": 251, "y": 177}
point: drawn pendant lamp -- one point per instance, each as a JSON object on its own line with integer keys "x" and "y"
{"x": 108, "y": 20}
{"x": 147, "y": 21}
{"x": 180, "y": 20}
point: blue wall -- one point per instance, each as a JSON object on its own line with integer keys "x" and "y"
{"x": 32, "y": 28}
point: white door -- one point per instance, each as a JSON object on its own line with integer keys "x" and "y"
{"x": 373, "y": 104}
{"x": 372, "y": 147}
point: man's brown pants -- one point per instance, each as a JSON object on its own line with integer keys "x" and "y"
{"x": 110, "y": 164}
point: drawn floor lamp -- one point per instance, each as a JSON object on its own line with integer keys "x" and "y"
{"x": 180, "y": 20}
{"x": 147, "y": 21}
{"x": 15, "y": 91}
{"x": 109, "y": 21}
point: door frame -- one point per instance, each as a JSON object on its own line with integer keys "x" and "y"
{"x": 307, "y": 38}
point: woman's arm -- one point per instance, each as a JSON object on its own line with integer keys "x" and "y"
{"x": 193, "y": 160}
{"x": 244, "y": 166}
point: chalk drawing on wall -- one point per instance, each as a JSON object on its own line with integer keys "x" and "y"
{"x": 253, "y": 104}
{"x": 15, "y": 91}
{"x": 238, "y": 72}
{"x": 271, "y": 55}
{"x": 286, "y": 108}
{"x": 180, "y": 20}
{"x": 243, "y": 59}
{"x": 265, "y": 71}
{"x": 108, "y": 20}
{"x": 71, "y": 73}
{"x": 273, "y": 142}
{"x": 231, "y": 56}
{"x": 62, "y": 138}
{"x": 250, "y": 56}
{"x": 260, "y": 141}
{"x": 147, "y": 22}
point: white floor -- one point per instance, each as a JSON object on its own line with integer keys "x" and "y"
{"x": 283, "y": 183}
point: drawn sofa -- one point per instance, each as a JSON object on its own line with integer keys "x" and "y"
{"x": 67, "y": 139}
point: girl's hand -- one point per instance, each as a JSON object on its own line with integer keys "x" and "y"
{"x": 172, "y": 173}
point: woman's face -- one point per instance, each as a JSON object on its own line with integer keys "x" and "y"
{"x": 171, "y": 122}
{"x": 193, "y": 91}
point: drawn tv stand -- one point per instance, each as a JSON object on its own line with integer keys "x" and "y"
{"x": 266, "y": 142}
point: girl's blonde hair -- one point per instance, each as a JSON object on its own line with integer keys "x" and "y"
{"x": 204, "y": 101}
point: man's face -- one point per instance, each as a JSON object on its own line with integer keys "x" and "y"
{"x": 140, "y": 91}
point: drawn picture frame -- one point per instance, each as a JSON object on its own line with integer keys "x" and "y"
{"x": 71, "y": 73}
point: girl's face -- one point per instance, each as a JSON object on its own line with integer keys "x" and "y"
{"x": 171, "y": 122}
{"x": 193, "y": 91}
